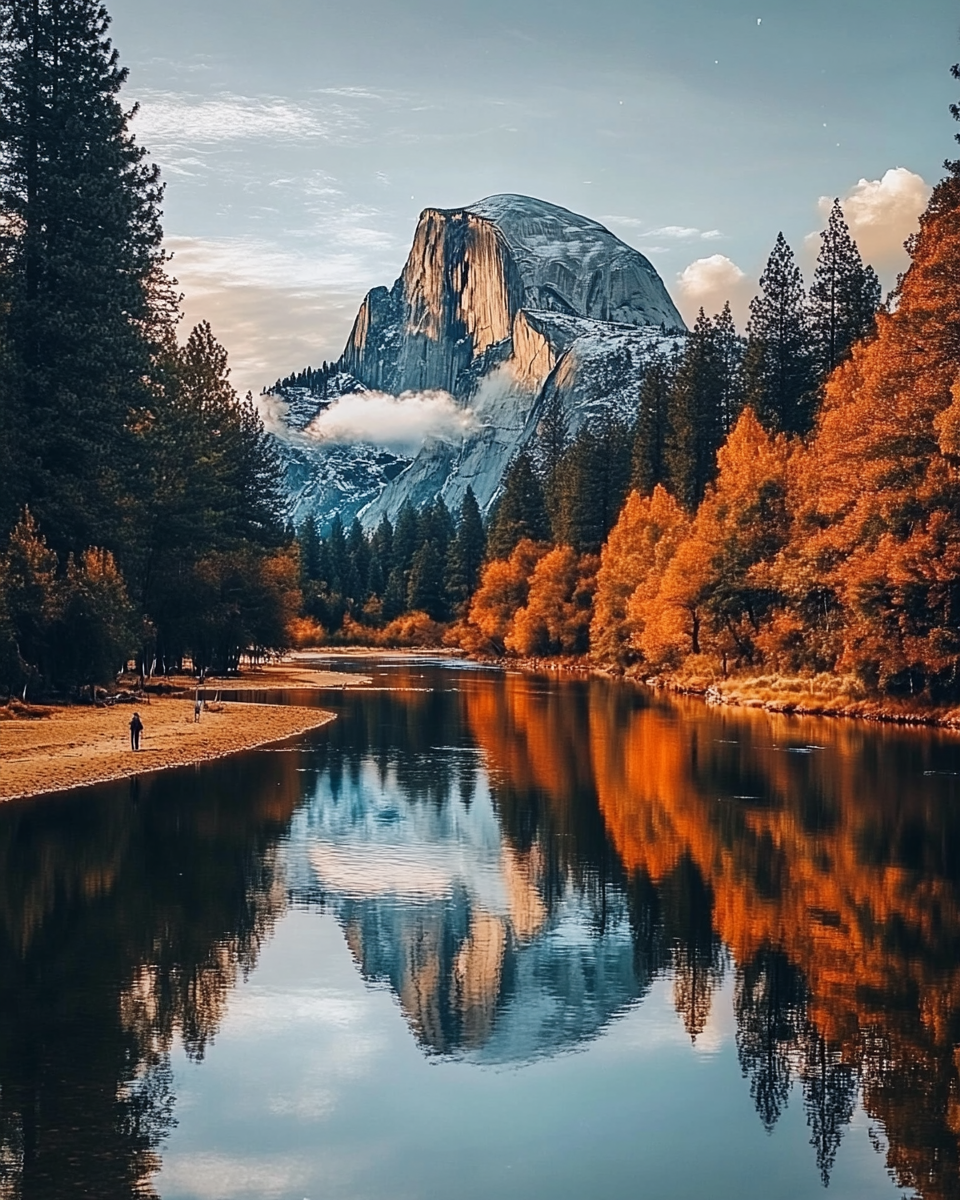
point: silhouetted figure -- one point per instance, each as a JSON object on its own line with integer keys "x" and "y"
{"x": 136, "y": 727}
{"x": 198, "y": 706}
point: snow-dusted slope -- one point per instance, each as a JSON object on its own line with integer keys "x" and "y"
{"x": 501, "y": 304}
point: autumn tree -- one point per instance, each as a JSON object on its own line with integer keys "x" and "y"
{"x": 640, "y": 545}
{"x": 710, "y": 598}
{"x": 556, "y": 616}
{"x": 878, "y": 523}
{"x": 504, "y": 590}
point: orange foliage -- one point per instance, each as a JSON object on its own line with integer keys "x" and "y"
{"x": 874, "y": 560}
{"x": 709, "y": 598}
{"x": 503, "y": 591}
{"x": 639, "y": 546}
{"x": 556, "y": 617}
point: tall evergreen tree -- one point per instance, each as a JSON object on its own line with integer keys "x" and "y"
{"x": 730, "y": 347}
{"x": 80, "y": 240}
{"x": 844, "y": 295}
{"x": 465, "y": 558}
{"x": 779, "y": 360}
{"x": 425, "y": 590}
{"x": 309, "y": 541}
{"x": 649, "y": 465}
{"x": 593, "y": 478}
{"x": 695, "y": 420}
{"x": 549, "y": 446}
{"x": 520, "y": 512}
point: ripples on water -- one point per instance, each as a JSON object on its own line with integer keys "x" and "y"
{"x": 489, "y": 935}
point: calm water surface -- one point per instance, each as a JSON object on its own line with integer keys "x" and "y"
{"x": 492, "y": 936}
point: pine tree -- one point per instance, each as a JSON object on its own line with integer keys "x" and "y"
{"x": 695, "y": 415}
{"x": 309, "y": 540}
{"x": 467, "y": 550}
{"x": 593, "y": 478}
{"x": 359, "y": 550}
{"x": 844, "y": 295}
{"x": 779, "y": 362}
{"x": 648, "y": 464}
{"x": 520, "y": 512}
{"x": 549, "y": 445}
{"x": 80, "y": 239}
{"x": 730, "y": 349}
{"x": 406, "y": 538}
{"x": 425, "y": 590}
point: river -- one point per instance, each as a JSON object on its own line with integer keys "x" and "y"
{"x": 492, "y": 935}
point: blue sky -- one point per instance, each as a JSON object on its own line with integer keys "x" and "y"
{"x": 301, "y": 140}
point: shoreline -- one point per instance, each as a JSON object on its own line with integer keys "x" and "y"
{"x": 68, "y": 748}
{"x": 801, "y": 696}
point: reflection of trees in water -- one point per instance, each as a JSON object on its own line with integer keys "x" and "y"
{"x": 125, "y": 915}
{"x": 816, "y": 852}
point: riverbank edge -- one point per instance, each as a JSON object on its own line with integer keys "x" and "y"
{"x": 800, "y": 696}
{"x": 248, "y": 736}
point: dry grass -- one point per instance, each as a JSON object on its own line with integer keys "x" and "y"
{"x": 822, "y": 695}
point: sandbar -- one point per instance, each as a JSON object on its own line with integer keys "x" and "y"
{"x": 72, "y": 747}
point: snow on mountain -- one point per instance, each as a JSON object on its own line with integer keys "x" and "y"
{"x": 502, "y": 304}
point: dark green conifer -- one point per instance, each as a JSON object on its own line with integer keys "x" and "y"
{"x": 779, "y": 361}
{"x": 695, "y": 417}
{"x": 648, "y": 462}
{"x": 844, "y": 295}
{"x": 593, "y": 478}
{"x": 520, "y": 512}
{"x": 85, "y": 306}
{"x": 425, "y": 590}
{"x": 465, "y": 558}
{"x": 309, "y": 541}
{"x": 359, "y": 550}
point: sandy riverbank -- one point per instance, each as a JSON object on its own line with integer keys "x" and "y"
{"x": 72, "y": 747}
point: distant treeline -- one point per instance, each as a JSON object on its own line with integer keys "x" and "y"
{"x": 139, "y": 511}
{"x": 310, "y": 379}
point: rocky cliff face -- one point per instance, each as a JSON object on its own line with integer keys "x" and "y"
{"x": 502, "y": 304}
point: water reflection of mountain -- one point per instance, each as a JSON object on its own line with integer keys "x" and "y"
{"x": 126, "y": 915}
{"x": 517, "y": 900}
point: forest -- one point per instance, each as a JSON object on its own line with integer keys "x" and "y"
{"x": 139, "y": 509}
{"x": 781, "y": 503}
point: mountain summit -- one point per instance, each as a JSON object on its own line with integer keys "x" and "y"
{"x": 502, "y": 304}
{"x": 471, "y": 274}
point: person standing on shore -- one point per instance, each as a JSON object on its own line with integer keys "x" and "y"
{"x": 136, "y": 728}
{"x": 197, "y": 708}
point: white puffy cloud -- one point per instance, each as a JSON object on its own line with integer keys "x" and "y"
{"x": 401, "y": 422}
{"x": 881, "y": 213}
{"x": 708, "y": 283}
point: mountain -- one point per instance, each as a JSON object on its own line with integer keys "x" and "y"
{"x": 501, "y": 304}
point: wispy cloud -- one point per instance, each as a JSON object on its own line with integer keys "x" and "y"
{"x": 176, "y": 119}
{"x": 677, "y": 233}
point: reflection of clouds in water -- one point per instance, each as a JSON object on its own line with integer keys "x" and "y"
{"x": 224, "y": 1176}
